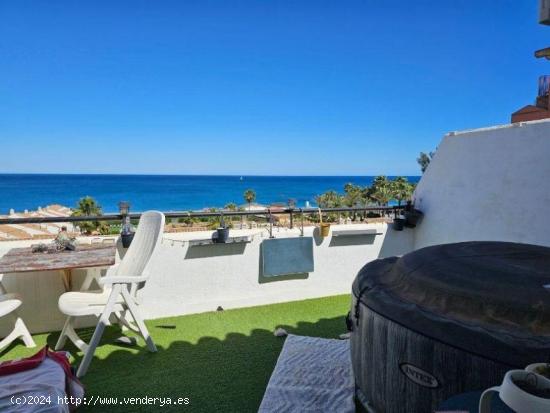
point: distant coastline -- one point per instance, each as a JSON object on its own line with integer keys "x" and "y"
{"x": 163, "y": 192}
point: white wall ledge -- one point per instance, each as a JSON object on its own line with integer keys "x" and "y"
{"x": 497, "y": 127}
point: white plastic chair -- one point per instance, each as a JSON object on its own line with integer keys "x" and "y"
{"x": 9, "y": 303}
{"x": 120, "y": 286}
{"x": 94, "y": 274}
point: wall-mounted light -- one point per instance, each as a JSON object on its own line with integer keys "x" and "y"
{"x": 124, "y": 207}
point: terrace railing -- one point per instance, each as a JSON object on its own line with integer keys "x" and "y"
{"x": 265, "y": 213}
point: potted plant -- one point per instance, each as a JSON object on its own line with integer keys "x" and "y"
{"x": 522, "y": 391}
{"x": 222, "y": 232}
{"x": 412, "y": 215}
{"x": 324, "y": 227}
{"x": 127, "y": 234}
{"x": 399, "y": 223}
{"x": 540, "y": 368}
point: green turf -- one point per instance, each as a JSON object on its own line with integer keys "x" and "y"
{"x": 221, "y": 361}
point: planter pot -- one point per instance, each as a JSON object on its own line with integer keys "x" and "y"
{"x": 324, "y": 229}
{"x": 538, "y": 368}
{"x": 223, "y": 235}
{"x": 515, "y": 397}
{"x": 127, "y": 239}
{"x": 412, "y": 217}
{"x": 399, "y": 223}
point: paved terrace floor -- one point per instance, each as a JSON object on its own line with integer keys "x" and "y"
{"x": 221, "y": 361}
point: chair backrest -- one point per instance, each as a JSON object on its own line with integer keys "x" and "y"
{"x": 146, "y": 239}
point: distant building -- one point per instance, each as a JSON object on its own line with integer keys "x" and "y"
{"x": 253, "y": 207}
{"x": 541, "y": 108}
{"x": 11, "y": 232}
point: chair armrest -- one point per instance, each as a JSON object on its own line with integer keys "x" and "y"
{"x": 122, "y": 279}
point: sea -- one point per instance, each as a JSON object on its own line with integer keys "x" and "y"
{"x": 164, "y": 192}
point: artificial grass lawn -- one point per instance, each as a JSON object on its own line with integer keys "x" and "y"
{"x": 221, "y": 361}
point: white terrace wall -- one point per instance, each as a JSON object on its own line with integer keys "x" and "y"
{"x": 488, "y": 184}
{"x": 188, "y": 279}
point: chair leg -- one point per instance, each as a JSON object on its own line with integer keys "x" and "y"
{"x": 19, "y": 331}
{"x": 63, "y": 335}
{"x": 76, "y": 340}
{"x": 137, "y": 318}
{"x": 124, "y": 323}
{"x": 24, "y": 333}
{"x": 69, "y": 332}
{"x": 103, "y": 321}
{"x": 90, "y": 277}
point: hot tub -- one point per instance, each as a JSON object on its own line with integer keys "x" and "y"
{"x": 447, "y": 319}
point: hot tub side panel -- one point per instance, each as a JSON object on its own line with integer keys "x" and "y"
{"x": 389, "y": 361}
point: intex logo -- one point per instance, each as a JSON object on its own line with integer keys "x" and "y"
{"x": 419, "y": 376}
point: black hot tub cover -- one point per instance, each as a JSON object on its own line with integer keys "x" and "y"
{"x": 488, "y": 298}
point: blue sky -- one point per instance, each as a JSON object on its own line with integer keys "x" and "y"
{"x": 256, "y": 87}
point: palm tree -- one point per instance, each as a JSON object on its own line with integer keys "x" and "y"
{"x": 383, "y": 195}
{"x": 231, "y": 206}
{"x": 379, "y": 189}
{"x": 330, "y": 199}
{"x": 401, "y": 189}
{"x": 349, "y": 187}
{"x": 380, "y": 181}
{"x": 424, "y": 160}
{"x": 86, "y": 207}
{"x": 366, "y": 195}
{"x": 249, "y": 197}
{"x": 334, "y": 199}
{"x": 353, "y": 198}
{"x": 320, "y": 200}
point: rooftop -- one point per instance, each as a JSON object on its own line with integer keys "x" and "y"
{"x": 35, "y": 231}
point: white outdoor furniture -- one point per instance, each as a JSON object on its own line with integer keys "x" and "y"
{"x": 8, "y": 306}
{"x": 120, "y": 286}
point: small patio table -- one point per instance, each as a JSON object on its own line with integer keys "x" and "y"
{"x": 85, "y": 256}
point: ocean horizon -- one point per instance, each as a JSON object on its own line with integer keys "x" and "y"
{"x": 164, "y": 192}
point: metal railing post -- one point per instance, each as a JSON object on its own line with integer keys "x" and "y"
{"x": 302, "y": 222}
{"x": 270, "y": 223}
